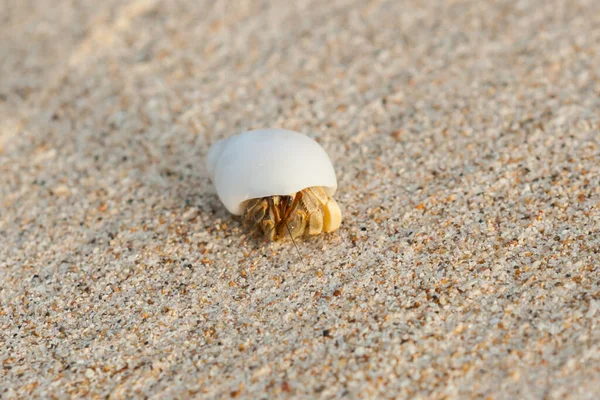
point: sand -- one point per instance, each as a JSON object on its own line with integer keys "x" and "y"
{"x": 466, "y": 140}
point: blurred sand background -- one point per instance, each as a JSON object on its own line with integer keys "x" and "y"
{"x": 465, "y": 135}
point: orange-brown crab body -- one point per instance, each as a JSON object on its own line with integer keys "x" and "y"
{"x": 308, "y": 212}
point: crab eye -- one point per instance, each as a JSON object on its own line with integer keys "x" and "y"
{"x": 290, "y": 201}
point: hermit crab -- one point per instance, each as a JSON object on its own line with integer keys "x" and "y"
{"x": 281, "y": 182}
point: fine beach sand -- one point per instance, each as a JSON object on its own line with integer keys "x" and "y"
{"x": 466, "y": 140}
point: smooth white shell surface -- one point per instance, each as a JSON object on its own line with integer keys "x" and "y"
{"x": 267, "y": 162}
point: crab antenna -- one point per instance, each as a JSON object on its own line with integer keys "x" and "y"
{"x": 295, "y": 245}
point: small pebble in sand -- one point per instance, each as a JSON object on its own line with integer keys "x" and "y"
{"x": 280, "y": 181}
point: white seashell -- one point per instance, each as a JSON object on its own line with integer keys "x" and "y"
{"x": 267, "y": 162}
